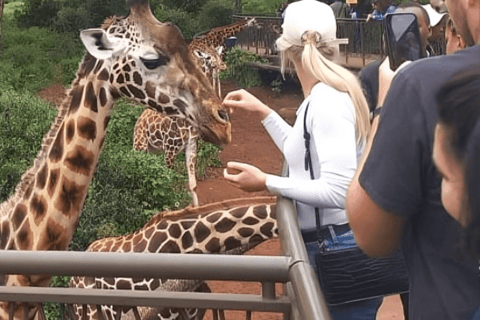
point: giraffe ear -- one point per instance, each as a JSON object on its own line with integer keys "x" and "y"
{"x": 98, "y": 44}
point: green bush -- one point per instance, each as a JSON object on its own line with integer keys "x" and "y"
{"x": 25, "y": 120}
{"x": 34, "y": 57}
{"x": 216, "y": 13}
{"x": 244, "y": 75}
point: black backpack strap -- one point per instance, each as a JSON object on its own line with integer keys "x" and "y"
{"x": 308, "y": 166}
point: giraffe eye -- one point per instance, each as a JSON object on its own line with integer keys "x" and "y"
{"x": 155, "y": 63}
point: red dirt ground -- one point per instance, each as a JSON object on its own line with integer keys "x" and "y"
{"x": 250, "y": 144}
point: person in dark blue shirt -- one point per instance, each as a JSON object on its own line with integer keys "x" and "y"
{"x": 394, "y": 200}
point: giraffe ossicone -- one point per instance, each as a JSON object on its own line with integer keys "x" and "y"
{"x": 137, "y": 57}
{"x": 227, "y": 227}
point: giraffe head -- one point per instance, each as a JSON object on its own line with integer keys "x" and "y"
{"x": 208, "y": 58}
{"x": 148, "y": 61}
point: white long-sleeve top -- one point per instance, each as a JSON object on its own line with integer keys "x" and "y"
{"x": 334, "y": 152}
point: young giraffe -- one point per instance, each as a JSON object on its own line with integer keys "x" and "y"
{"x": 155, "y": 132}
{"x": 232, "y": 226}
{"x": 137, "y": 57}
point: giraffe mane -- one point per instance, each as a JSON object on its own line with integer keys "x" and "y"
{"x": 110, "y": 20}
{"x": 28, "y": 178}
{"x": 209, "y": 208}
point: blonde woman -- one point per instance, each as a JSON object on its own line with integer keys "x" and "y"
{"x": 337, "y": 121}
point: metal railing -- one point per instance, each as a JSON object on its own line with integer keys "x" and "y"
{"x": 302, "y": 300}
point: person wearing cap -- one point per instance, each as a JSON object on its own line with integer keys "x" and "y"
{"x": 337, "y": 121}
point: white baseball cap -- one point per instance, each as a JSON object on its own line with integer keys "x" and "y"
{"x": 307, "y": 15}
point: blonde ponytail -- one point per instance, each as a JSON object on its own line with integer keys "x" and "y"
{"x": 317, "y": 57}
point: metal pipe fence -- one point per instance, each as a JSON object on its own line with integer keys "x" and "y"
{"x": 303, "y": 298}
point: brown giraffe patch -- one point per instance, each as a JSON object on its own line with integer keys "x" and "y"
{"x": 214, "y": 217}
{"x": 52, "y": 182}
{"x": 127, "y": 77}
{"x": 54, "y": 237}
{"x": 255, "y": 239}
{"x": 120, "y": 79}
{"x": 150, "y": 89}
{"x": 24, "y": 236}
{"x": 260, "y": 212}
{"x": 77, "y": 94}
{"x": 68, "y": 199}
{"x": 103, "y": 75}
{"x": 232, "y": 243}
{"x": 91, "y": 98}
{"x": 42, "y": 177}
{"x": 267, "y": 229}
{"x": 250, "y": 221}
{"x": 127, "y": 246}
{"x": 140, "y": 247}
{"x": 162, "y": 225}
{"x": 187, "y": 224}
{"x": 126, "y": 92}
{"x": 174, "y": 231}
{"x": 163, "y": 98}
{"x": 201, "y": 232}
{"x": 239, "y": 212}
{"x": 180, "y": 105}
{"x": 156, "y": 241}
{"x": 137, "y": 78}
{"x": 19, "y": 215}
{"x": 187, "y": 240}
{"x": 123, "y": 285}
{"x": 4, "y": 234}
{"x": 87, "y": 128}
{"x": 245, "y": 232}
{"x": 80, "y": 160}
{"x": 103, "y": 96}
{"x": 170, "y": 247}
{"x": 225, "y": 225}
{"x": 148, "y": 232}
{"x": 138, "y": 237}
{"x": 213, "y": 245}
{"x": 70, "y": 131}
{"x": 56, "y": 152}
{"x": 126, "y": 68}
{"x": 136, "y": 92}
{"x": 38, "y": 206}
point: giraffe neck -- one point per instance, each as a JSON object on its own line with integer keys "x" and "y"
{"x": 217, "y": 36}
{"x": 43, "y": 214}
{"x": 228, "y": 227}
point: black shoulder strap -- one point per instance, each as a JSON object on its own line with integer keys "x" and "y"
{"x": 308, "y": 165}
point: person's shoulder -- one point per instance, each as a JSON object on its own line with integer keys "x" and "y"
{"x": 330, "y": 100}
{"x": 371, "y": 69}
{"x": 438, "y": 67}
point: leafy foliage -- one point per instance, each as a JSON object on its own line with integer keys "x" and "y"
{"x": 237, "y": 69}
{"x": 261, "y": 6}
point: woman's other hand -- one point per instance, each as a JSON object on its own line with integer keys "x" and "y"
{"x": 242, "y": 99}
{"x": 249, "y": 178}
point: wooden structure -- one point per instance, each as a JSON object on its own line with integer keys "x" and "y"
{"x": 366, "y": 41}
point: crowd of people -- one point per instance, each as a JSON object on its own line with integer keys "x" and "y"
{"x": 406, "y": 177}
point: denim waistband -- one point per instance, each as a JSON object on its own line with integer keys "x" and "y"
{"x": 311, "y": 236}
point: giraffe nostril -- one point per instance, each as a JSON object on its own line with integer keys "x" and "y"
{"x": 223, "y": 114}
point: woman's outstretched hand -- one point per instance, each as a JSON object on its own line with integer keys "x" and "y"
{"x": 249, "y": 178}
{"x": 242, "y": 99}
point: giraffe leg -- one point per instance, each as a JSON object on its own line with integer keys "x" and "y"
{"x": 191, "y": 155}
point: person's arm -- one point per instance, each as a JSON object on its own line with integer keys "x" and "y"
{"x": 387, "y": 186}
{"x": 368, "y": 220}
{"x": 331, "y": 125}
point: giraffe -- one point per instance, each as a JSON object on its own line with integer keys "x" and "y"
{"x": 137, "y": 57}
{"x": 228, "y": 227}
{"x": 155, "y": 132}
{"x": 215, "y": 38}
